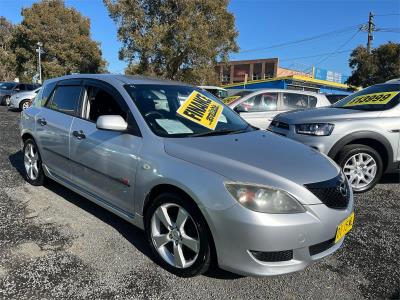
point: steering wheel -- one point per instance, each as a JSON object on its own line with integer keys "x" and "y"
{"x": 153, "y": 112}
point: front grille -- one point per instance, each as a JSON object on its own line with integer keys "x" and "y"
{"x": 273, "y": 256}
{"x": 280, "y": 124}
{"x": 334, "y": 193}
{"x": 321, "y": 247}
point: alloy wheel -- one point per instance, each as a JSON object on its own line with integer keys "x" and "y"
{"x": 25, "y": 105}
{"x": 175, "y": 235}
{"x": 31, "y": 158}
{"x": 360, "y": 169}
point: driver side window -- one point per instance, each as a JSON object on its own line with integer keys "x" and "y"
{"x": 260, "y": 103}
{"x": 99, "y": 102}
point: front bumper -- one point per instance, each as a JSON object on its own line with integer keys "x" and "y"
{"x": 238, "y": 231}
{"x": 14, "y": 103}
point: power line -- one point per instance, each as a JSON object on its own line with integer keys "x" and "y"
{"x": 340, "y": 47}
{"x": 342, "y": 30}
{"x": 316, "y": 55}
{"x": 387, "y": 15}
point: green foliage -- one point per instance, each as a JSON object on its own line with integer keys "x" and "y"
{"x": 174, "y": 39}
{"x": 7, "y": 57}
{"x": 65, "y": 35}
{"x": 379, "y": 66}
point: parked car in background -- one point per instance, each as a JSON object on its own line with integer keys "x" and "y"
{"x": 360, "y": 132}
{"x": 23, "y": 100}
{"x": 195, "y": 176}
{"x": 7, "y": 89}
{"x": 219, "y": 92}
{"x": 333, "y": 98}
{"x": 228, "y": 100}
{"x": 259, "y": 108}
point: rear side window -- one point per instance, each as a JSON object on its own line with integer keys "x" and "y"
{"x": 66, "y": 99}
{"x": 295, "y": 101}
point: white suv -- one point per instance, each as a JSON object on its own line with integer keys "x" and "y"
{"x": 261, "y": 106}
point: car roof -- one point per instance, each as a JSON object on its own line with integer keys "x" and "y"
{"x": 212, "y": 87}
{"x": 123, "y": 79}
{"x": 286, "y": 91}
{"x": 396, "y": 80}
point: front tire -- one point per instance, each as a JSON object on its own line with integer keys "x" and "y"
{"x": 362, "y": 166}
{"x": 24, "y": 105}
{"x": 178, "y": 235}
{"x": 33, "y": 163}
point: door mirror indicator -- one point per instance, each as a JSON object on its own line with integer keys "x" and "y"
{"x": 111, "y": 122}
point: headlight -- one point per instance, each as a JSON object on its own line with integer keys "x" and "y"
{"x": 320, "y": 129}
{"x": 264, "y": 199}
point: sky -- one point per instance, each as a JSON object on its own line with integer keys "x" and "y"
{"x": 264, "y": 25}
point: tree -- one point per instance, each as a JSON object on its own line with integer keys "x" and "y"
{"x": 379, "y": 66}
{"x": 65, "y": 35}
{"x": 7, "y": 57}
{"x": 174, "y": 39}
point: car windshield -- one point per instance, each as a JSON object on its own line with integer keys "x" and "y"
{"x": 374, "y": 98}
{"x": 183, "y": 111}
{"x": 7, "y": 85}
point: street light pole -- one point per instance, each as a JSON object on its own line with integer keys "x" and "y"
{"x": 39, "y": 51}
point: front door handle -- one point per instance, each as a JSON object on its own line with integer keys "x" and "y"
{"x": 79, "y": 134}
{"x": 42, "y": 121}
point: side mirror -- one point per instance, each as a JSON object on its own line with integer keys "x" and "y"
{"x": 111, "y": 122}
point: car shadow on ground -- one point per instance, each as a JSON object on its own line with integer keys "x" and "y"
{"x": 130, "y": 232}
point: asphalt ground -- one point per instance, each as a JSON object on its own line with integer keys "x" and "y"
{"x": 54, "y": 244}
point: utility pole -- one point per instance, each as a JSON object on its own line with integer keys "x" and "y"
{"x": 371, "y": 27}
{"x": 39, "y": 51}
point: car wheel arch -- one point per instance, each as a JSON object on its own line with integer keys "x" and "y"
{"x": 170, "y": 188}
{"x": 368, "y": 138}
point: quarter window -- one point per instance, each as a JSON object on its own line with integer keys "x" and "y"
{"x": 260, "y": 103}
{"x": 66, "y": 99}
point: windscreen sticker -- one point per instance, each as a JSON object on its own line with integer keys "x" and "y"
{"x": 201, "y": 110}
{"x": 173, "y": 126}
{"x": 376, "y": 98}
{"x": 230, "y": 99}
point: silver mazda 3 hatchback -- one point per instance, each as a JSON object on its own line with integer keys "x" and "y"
{"x": 173, "y": 160}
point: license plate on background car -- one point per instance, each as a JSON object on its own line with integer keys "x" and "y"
{"x": 344, "y": 227}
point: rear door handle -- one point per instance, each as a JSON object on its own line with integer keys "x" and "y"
{"x": 79, "y": 134}
{"x": 42, "y": 121}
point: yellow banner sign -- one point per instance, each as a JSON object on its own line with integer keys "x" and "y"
{"x": 230, "y": 99}
{"x": 201, "y": 110}
{"x": 376, "y": 98}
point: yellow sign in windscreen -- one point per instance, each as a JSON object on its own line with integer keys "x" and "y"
{"x": 201, "y": 110}
{"x": 376, "y": 98}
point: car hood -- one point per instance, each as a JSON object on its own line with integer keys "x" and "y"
{"x": 323, "y": 114}
{"x": 256, "y": 157}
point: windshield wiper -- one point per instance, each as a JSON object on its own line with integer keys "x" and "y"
{"x": 218, "y": 132}
{"x": 224, "y": 131}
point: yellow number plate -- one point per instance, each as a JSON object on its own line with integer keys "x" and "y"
{"x": 344, "y": 227}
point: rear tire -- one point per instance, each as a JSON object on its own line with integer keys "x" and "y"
{"x": 190, "y": 241}
{"x": 362, "y": 166}
{"x": 5, "y": 100}
{"x": 33, "y": 163}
